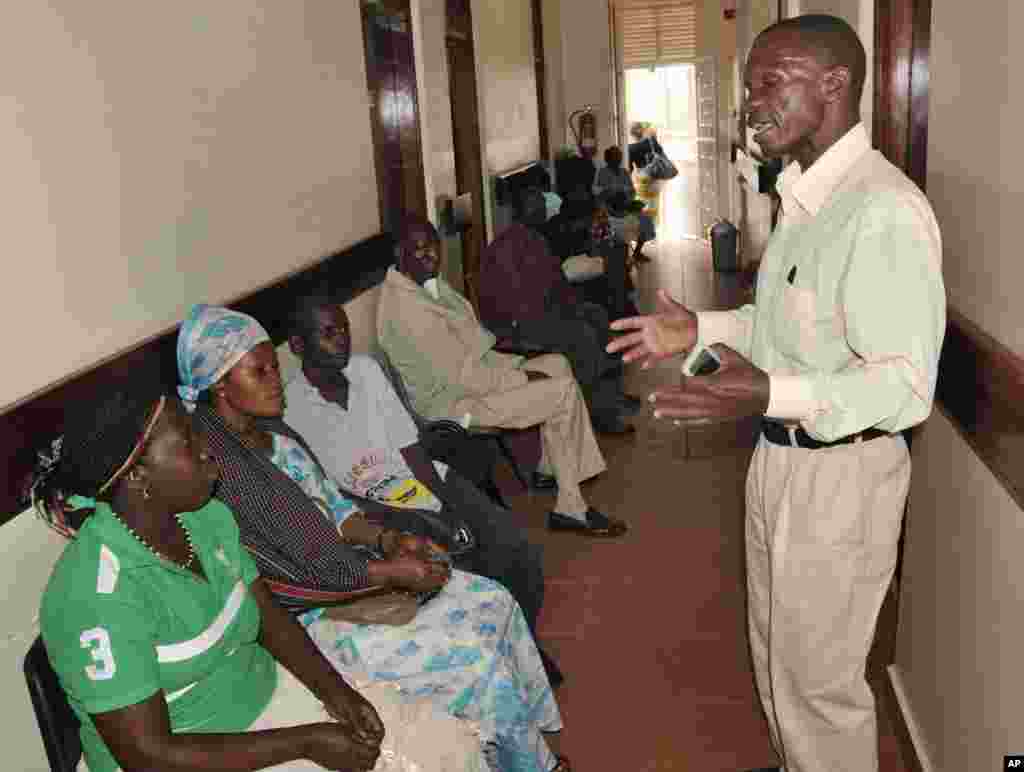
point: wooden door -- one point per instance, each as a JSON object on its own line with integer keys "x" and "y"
{"x": 394, "y": 110}
{"x": 468, "y": 158}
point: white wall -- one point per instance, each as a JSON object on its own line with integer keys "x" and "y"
{"x": 975, "y": 167}
{"x": 957, "y": 664}
{"x": 578, "y": 60}
{"x": 157, "y": 154}
{"x": 506, "y": 88}
{"x": 506, "y": 82}
{"x": 961, "y": 631}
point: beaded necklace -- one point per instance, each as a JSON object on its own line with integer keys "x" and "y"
{"x": 188, "y": 538}
{"x": 132, "y": 458}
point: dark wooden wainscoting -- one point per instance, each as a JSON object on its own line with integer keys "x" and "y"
{"x": 981, "y": 390}
{"x": 33, "y": 423}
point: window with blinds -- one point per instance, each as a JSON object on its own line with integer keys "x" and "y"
{"x": 654, "y": 33}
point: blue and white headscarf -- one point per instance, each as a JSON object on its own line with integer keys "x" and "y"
{"x": 211, "y": 340}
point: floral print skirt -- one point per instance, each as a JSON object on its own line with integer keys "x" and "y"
{"x": 470, "y": 650}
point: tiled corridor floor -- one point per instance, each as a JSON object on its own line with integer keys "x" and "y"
{"x": 650, "y": 629}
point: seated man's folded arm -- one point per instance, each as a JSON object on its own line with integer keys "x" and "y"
{"x": 427, "y": 342}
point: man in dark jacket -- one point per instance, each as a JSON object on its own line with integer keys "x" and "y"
{"x": 524, "y": 295}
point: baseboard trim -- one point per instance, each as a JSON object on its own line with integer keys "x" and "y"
{"x": 907, "y": 719}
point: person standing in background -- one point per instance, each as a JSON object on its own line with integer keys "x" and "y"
{"x": 644, "y": 145}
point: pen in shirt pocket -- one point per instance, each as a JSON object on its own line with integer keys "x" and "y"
{"x": 792, "y": 275}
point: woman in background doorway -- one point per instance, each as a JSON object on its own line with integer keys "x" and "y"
{"x": 641, "y": 152}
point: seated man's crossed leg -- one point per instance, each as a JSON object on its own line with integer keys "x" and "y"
{"x": 569, "y": 448}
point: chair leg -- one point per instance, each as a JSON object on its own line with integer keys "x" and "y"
{"x": 507, "y": 453}
{"x": 493, "y": 493}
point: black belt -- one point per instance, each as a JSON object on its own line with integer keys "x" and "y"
{"x": 779, "y": 434}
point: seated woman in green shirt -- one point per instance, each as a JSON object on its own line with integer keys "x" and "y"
{"x": 162, "y": 633}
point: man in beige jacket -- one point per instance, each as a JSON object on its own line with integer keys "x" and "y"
{"x": 446, "y": 359}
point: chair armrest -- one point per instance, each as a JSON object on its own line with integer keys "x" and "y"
{"x": 519, "y": 347}
{"x": 509, "y": 341}
{"x": 485, "y": 431}
{"x": 446, "y": 426}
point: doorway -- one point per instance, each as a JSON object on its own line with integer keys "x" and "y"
{"x": 672, "y": 99}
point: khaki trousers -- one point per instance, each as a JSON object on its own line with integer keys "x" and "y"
{"x": 569, "y": 448}
{"x": 821, "y": 536}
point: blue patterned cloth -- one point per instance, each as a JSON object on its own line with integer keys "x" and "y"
{"x": 469, "y": 649}
{"x": 211, "y": 340}
{"x": 292, "y": 459}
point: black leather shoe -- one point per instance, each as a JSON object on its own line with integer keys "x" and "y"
{"x": 544, "y": 482}
{"x": 612, "y": 426}
{"x": 631, "y": 405}
{"x": 596, "y": 524}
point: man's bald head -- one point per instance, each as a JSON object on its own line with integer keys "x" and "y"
{"x": 831, "y": 41}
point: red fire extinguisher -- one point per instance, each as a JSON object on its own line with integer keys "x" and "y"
{"x": 585, "y": 130}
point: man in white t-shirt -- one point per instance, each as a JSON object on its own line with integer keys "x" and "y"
{"x": 363, "y": 434}
{"x": 349, "y": 414}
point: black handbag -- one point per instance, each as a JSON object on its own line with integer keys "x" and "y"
{"x": 660, "y": 167}
{"x": 472, "y": 456}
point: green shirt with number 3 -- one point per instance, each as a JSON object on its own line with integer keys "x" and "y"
{"x": 121, "y": 624}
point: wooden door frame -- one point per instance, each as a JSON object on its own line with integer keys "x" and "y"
{"x": 412, "y": 180}
{"x": 459, "y": 35}
{"x": 540, "y": 74}
{"x": 900, "y": 122}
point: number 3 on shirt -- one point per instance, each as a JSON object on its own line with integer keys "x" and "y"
{"x": 97, "y": 641}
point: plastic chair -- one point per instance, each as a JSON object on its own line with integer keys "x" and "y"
{"x": 58, "y": 723}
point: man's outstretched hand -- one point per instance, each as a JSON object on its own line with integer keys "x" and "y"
{"x": 671, "y": 330}
{"x": 736, "y": 390}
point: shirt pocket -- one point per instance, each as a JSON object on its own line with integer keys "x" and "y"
{"x": 797, "y": 322}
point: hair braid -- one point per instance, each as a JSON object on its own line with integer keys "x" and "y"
{"x": 95, "y": 443}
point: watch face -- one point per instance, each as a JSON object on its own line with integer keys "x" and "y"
{"x": 705, "y": 363}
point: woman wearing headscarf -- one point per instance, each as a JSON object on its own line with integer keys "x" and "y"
{"x": 163, "y": 635}
{"x": 469, "y": 649}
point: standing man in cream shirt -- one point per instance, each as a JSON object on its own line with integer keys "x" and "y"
{"x": 839, "y": 355}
